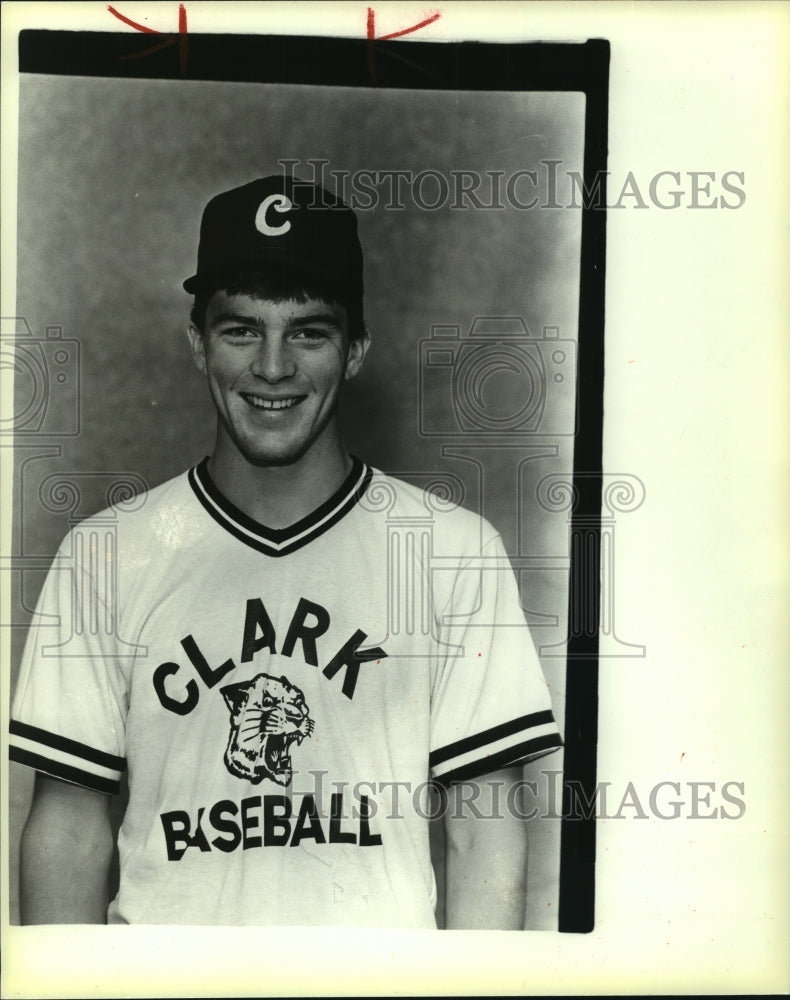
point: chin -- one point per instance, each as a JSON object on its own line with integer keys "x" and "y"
{"x": 272, "y": 448}
{"x": 262, "y": 456}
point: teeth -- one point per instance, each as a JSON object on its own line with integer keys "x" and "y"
{"x": 271, "y": 404}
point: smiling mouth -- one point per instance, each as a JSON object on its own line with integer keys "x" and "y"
{"x": 271, "y": 404}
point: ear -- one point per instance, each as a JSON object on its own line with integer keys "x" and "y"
{"x": 357, "y": 350}
{"x": 198, "y": 347}
{"x": 235, "y": 696}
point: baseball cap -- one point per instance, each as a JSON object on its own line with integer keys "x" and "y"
{"x": 284, "y": 222}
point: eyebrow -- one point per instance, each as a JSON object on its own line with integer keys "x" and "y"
{"x": 326, "y": 319}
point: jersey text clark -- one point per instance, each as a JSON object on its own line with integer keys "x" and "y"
{"x": 308, "y": 622}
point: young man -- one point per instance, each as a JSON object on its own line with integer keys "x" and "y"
{"x": 306, "y": 643}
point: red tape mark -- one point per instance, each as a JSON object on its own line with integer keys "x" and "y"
{"x": 182, "y": 21}
{"x": 181, "y": 41}
{"x": 182, "y": 31}
{"x": 396, "y": 34}
{"x": 371, "y": 38}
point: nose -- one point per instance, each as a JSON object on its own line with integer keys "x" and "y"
{"x": 272, "y": 360}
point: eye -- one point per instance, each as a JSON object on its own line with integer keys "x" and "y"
{"x": 237, "y": 332}
{"x": 310, "y": 334}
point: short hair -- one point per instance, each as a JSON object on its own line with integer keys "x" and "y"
{"x": 279, "y": 286}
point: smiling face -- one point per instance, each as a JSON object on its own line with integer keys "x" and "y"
{"x": 274, "y": 370}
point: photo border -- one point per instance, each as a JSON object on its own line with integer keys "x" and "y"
{"x": 476, "y": 66}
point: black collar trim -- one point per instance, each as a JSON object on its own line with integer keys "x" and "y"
{"x": 279, "y": 541}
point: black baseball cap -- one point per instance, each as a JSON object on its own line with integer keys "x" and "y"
{"x": 284, "y": 222}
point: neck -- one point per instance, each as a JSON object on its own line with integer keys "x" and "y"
{"x": 278, "y": 496}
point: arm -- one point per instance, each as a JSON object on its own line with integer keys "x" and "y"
{"x": 65, "y": 857}
{"x": 485, "y": 859}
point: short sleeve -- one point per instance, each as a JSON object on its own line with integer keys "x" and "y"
{"x": 69, "y": 708}
{"x": 491, "y": 706}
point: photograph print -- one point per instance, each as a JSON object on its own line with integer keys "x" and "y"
{"x": 307, "y": 387}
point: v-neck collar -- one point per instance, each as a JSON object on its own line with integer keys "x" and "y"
{"x": 279, "y": 541}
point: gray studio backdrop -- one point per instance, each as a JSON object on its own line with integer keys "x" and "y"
{"x": 113, "y": 176}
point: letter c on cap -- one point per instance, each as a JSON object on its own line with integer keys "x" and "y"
{"x": 281, "y": 203}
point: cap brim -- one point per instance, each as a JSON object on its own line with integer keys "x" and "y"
{"x": 262, "y": 263}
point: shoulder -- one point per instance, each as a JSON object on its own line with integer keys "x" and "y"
{"x": 435, "y": 502}
{"x": 155, "y": 515}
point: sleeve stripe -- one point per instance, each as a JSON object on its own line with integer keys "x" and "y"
{"x": 513, "y": 756}
{"x": 507, "y": 750}
{"x": 71, "y": 774}
{"x": 493, "y": 735}
{"x": 71, "y": 747}
{"x": 66, "y": 759}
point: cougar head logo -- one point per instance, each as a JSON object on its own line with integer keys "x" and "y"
{"x": 267, "y": 715}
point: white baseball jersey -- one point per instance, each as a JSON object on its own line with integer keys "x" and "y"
{"x": 281, "y": 698}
